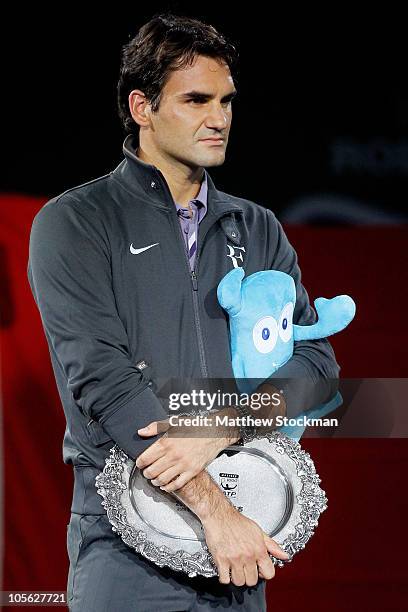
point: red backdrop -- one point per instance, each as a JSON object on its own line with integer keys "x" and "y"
{"x": 357, "y": 558}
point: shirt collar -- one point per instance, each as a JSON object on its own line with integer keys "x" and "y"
{"x": 134, "y": 174}
{"x": 202, "y": 194}
{"x": 200, "y": 201}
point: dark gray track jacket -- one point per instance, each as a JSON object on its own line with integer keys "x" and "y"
{"x": 107, "y": 304}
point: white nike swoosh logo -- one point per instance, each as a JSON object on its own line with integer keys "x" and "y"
{"x": 137, "y": 251}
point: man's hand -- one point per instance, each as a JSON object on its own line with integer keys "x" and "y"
{"x": 175, "y": 459}
{"x": 235, "y": 542}
{"x": 238, "y": 545}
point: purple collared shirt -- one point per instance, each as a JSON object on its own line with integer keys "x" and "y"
{"x": 189, "y": 227}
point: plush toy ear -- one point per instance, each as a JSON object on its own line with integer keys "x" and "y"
{"x": 333, "y": 316}
{"x": 229, "y": 291}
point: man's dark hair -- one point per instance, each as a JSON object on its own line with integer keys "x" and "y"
{"x": 166, "y": 43}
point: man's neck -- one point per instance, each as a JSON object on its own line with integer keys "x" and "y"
{"x": 184, "y": 183}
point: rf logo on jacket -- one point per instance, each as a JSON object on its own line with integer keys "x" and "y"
{"x": 235, "y": 257}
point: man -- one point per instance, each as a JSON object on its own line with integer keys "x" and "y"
{"x": 124, "y": 270}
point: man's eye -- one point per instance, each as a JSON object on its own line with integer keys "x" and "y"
{"x": 196, "y": 101}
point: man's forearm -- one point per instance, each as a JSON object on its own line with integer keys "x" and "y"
{"x": 203, "y": 497}
{"x": 201, "y": 494}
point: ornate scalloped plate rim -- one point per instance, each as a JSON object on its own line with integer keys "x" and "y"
{"x": 312, "y": 500}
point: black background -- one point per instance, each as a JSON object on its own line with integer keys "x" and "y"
{"x": 308, "y": 81}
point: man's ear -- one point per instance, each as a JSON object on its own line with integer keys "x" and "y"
{"x": 139, "y": 107}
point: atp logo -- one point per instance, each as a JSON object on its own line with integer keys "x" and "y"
{"x": 229, "y": 484}
{"x": 235, "y": 257}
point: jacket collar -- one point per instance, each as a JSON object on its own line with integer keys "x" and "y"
{"x": 136, "y": 174}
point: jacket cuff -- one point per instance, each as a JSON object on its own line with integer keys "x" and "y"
{"x": 123, "y": 423}
{"x": 301, "y": 390}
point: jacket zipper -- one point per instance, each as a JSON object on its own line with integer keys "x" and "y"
{"x": 198, "y": 324}
{"x": 194, "y": 283}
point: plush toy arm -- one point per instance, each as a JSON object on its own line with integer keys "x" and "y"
{"x": 333, "y": 316}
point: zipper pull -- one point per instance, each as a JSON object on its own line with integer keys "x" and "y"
{"x": 194, "y": 280}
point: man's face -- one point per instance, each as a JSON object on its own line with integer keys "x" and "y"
{"x": 195, "y": 106}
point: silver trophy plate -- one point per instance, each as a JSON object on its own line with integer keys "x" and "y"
{"x": 270, "y": 480}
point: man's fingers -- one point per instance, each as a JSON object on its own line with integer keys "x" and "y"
{"x": 274, "y": 548}
{"x": 150, "y": 430}
{"x": 223, "y": 573}
{"x": 157, "y": 468}
{"x": 266, "y": 568}
{"x": 177, "y": 483}
{"x": 165, "y": 477}
{"x": 238, "y": 575}
{"x": 151, "y": 454}
{"x": 251, "y": 574}
{"x": 154, "y": 428}
{"x": 148, "y": 457}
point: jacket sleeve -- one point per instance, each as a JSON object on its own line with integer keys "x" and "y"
{"x": 69, "y": 273}
{"x": 310, "y": 376}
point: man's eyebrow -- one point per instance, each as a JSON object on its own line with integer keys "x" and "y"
{"x": 202, "y": 95}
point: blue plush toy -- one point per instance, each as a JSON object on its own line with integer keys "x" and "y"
{"x": 260, "y": 309}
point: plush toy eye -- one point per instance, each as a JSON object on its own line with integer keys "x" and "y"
{"x": 285, "y": 322}
{"x": 265, "y": 334}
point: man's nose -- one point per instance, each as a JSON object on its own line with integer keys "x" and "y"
{"x": 217, "y": 117}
